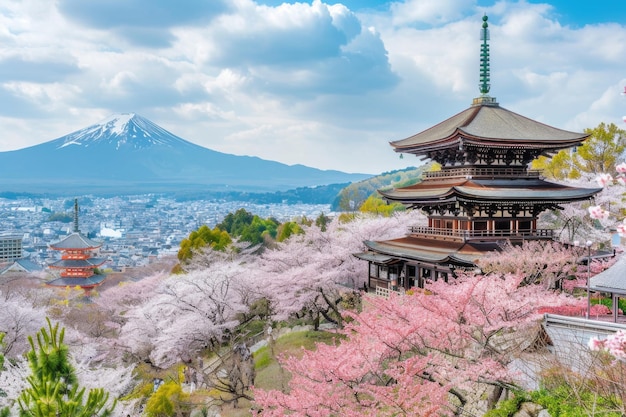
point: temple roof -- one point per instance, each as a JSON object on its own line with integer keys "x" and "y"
{"x": 611, "y": 280}
{"x": 489, "y": 190}
{"x": 429, "y": 250}
{"x": 78, "y": 263}
{"x": 75, "y": 241}
{"x": 90, "y": 282}
{"x": 487, "y": 123}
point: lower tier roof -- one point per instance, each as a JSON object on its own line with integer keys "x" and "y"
{"x": 92, "y": 281}
{"x": 425, "y": 250}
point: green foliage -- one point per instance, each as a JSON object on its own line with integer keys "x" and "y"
{"x": 375, "y": 204}
{"x": 287, "y": 229}
{"x": 169, "y": 400}
{"x": 609, "y": 303}
{"x": 507, "y": 408}
{"x": 322, "y": 221}
{"x": 560, "y": 402}
{"x": 599, "y": 153}
{"x": 214, "y": 238}
{"x": 354, "y": 195}
{"x": 248, "y": 227}
{"x": 559, "y": 167}
{"x": 53, "y": 386}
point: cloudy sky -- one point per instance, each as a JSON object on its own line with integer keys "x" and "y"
{"x": 326, "y": 85}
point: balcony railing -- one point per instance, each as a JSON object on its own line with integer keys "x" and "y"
{"x": 484, "y": 172}
{"x": 483, "y": 234}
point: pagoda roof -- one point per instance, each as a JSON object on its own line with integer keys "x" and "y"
{"x": 428, "y": 250}
{"x": 489, "y": 190}
{"x": 78, "y": 263}
{"x": 486, "y": 123}
{"x": 92, "y": 281}
{"x": 75, "y": 241}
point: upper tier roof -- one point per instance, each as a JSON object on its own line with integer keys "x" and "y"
{"x": 485, "y": 122}
{"x": 75, "y": 241}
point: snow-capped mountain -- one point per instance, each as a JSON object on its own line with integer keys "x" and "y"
{"x": 125, "y": 130}
{"x": 128, "y": 153}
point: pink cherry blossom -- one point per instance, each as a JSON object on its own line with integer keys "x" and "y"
{"x": 621, "y": 168}
{"x": 604, "y": 179}
{"x": 597, "y": 212}
{"x": 621, "y": 228}
{"x": 621, "y": 180}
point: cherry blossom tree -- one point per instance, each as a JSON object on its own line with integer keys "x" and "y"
{"x": 544, "y": 262}
{"x": 189, "y": 312}
{"x": 314, "y": 271}
{"x": 20, "y": 317}
{"x": 615, "y": 344}
{"x": 401, "y": 355}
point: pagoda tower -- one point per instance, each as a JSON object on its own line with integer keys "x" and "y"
{"x": 483, "y": 195}
{"x": 77, "y": 263}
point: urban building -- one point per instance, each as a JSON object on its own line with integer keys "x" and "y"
{"x": 10, "y": 247}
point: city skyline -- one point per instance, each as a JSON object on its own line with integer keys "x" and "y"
{"x": 320, "y": 84}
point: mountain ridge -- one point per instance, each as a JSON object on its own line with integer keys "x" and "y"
{"x": 130, "y": 153}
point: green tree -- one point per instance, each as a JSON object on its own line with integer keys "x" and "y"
{"x": 600, "y": 152}
{"x": 215, "y": 238}
{"x": 287, "y": 229}
{"x": 169, "y": 400}
{"x": 248, "y": 227}
{"x": 375, "y": 204}
{"x": 559, "y": 167}
{"x": 53, "y": 386}
{"x": 322, "y": 221}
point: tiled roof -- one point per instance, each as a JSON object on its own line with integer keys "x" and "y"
{"x": 92, "y": 281}
{"x": 75, "y": 241}
{"x": 612, "y": 279}
{"x": 494, "y": 125}
{"x": 78, "y": 263}
{"x": 431, "y": 250}
{"x": 490, "y": 190}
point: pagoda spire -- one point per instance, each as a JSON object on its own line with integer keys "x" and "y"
{"x": 76, "y": 216}
{"x": 484, "y": 58}
{"x": 484, "y": 99}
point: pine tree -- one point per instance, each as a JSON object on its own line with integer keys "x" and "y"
{"x": 53, "y": 386}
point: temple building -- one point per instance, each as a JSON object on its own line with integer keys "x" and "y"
{"x": 484, "y": 194}
{"x": 77, "y": 264}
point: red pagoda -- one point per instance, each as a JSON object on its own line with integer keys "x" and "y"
{"x": 77, "y": 264}
{"x": 484, "y": 194}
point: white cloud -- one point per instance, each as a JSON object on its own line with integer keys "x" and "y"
{"x": 309, "y": 83}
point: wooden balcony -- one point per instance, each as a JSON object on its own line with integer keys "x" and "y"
{"x": 469, "y": 235}
{"x": 484, "y": 173}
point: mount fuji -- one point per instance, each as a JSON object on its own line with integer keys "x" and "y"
{"x": 127, "y": 153}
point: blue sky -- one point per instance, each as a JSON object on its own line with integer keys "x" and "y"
{"x": 323, "y": 84}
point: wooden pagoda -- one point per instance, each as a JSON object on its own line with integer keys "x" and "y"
{"x": 483, "y": 195}
{"x": 77, "y": 263}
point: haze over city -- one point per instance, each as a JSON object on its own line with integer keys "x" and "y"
{"x": 323, "y": 84}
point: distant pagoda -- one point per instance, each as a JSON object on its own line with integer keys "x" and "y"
{"x": 77, "y": 263}
{"x": 484, "y": 194}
